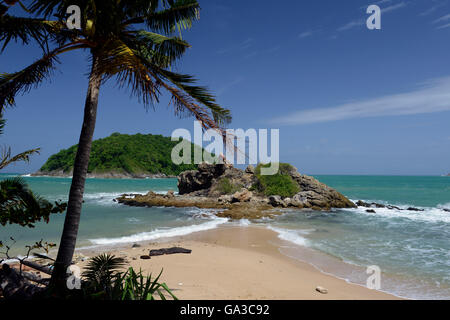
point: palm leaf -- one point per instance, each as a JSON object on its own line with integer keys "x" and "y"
{"x": 7, "y": 159}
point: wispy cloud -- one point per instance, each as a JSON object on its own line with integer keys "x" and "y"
{"x": 444, "y": 26}
{"x": 442, "y": 19}
{"x": 226, "y": 87}
{"x": 305, "y": 34}
{"x": 393, "y": 7}
{"x": 361, "y": 22}
{"x": 433, "y": 9}
{"x": 431, "y": 97}
{"x": 242, "y": 46}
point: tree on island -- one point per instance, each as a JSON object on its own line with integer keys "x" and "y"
{"x": 138, "y": 59}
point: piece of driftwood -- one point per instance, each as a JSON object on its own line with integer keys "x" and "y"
{"x": 37, "y": 266}
{"x": 14, "y": 286}
{"x": 160, "y": 252}
{"x": 43, "y": 256}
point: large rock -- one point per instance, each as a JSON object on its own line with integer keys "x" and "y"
{"x": 242, "y": 196}
{"x": 207, "y": 180}
{"x": 317, "y": 194}
{"x": 194, "y": 180}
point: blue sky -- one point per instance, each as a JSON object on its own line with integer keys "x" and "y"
{"x": 347, "y": 100}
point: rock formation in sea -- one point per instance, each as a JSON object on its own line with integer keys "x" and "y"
{"x": 240, "y": 194}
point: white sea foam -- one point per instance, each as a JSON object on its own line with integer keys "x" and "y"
{"x": 244, "y": 222}
{"x": 444, "y": 206}
{"x": 434, "y": 215}
{"x": 161, "y": 233}
{"x": 290, "y": 235}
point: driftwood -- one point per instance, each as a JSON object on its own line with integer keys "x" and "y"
{"x": 160, "y": 252}
{"x": 37, "y": 266}
{"x": 15, "y": 286}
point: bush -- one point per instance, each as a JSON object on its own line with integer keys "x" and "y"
{"x": 103, "y": 281}
{"x": 280, "y": 184}
{"x": 226, "y": 187}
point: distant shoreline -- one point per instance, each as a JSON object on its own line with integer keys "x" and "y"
{"x": 106, "y": 175}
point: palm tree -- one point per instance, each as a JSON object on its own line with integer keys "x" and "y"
{"x": 132, "y": 41}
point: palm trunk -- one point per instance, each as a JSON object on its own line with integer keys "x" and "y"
{"x": 73, "y": 214}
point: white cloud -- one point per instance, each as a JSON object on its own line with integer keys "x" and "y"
{"x": 352, "y": 24}
{"x": 444, "y": 26}
{"x": 305, "y": 34}
{"x": 393, "y": 7}
{"x": 432, "y": 97}
{"x": 433, "y": 9}
{"x": 442, "y": 19}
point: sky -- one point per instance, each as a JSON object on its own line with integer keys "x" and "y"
{"x": 346, "y": 99}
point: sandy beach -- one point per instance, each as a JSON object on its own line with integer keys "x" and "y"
{"x": 238, "y": 263}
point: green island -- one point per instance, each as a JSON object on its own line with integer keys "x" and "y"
{"x": 122, "y": 156}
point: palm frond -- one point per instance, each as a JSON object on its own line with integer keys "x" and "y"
{"x": 184, "y": 82}
{"x": 175, "y": 15}
{"x": 23, "y": 81}
{"x": 102, "y": 270}
{"x": 19, "y": 205}
{"x": 163, "y": 50}
{"x": 7, "y": 159}
{"x": 26, "y": 29}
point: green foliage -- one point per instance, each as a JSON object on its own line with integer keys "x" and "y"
{"x": 19, "y": 205}
{"x": 226, "y": 187}
{"x": 280, "y": 183}
{"x": 123, "y": 153}
{"x": 102, "y": 280}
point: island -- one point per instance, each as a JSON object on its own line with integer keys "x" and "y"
{"x": 121, "y": 156}
{"x": 244, "y": 194}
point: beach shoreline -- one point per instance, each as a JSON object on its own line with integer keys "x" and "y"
{"x": 232, "y": 262}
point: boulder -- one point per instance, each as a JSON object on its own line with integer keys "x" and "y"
{"x": 277, "y": 201}
{"x": 170, "y": 194}
{"x": 250, "y": 169}
{"x": 242, "y": 196}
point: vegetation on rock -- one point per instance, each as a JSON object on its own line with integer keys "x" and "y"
{"x": 123, "y": 153}
{"x": 225, "y": 186}
{"x": 280, "y": 183}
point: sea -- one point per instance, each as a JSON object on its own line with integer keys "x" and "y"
{"x": 411, "y": 249}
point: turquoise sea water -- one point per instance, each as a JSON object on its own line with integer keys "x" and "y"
{"x": 412, "y": 249}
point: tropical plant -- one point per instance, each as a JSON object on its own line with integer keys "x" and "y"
{"x": 6, "y": 158}
{"x": 138, "y": 59}
{"x": 102, "y": 280}
{"x": 18, "y": 204}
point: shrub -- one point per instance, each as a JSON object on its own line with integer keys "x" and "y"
{"x": 102, "y": 280}
{"x": 280, "y": 183}
{"x": 225, "y": 186}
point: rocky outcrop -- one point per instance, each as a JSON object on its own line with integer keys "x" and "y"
{"x": 361, "y": 203}
{"x": 207, "y": 182}
{"x": 222, "y": 186}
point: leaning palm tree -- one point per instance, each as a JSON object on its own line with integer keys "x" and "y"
{"x": 133, "y": 41}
